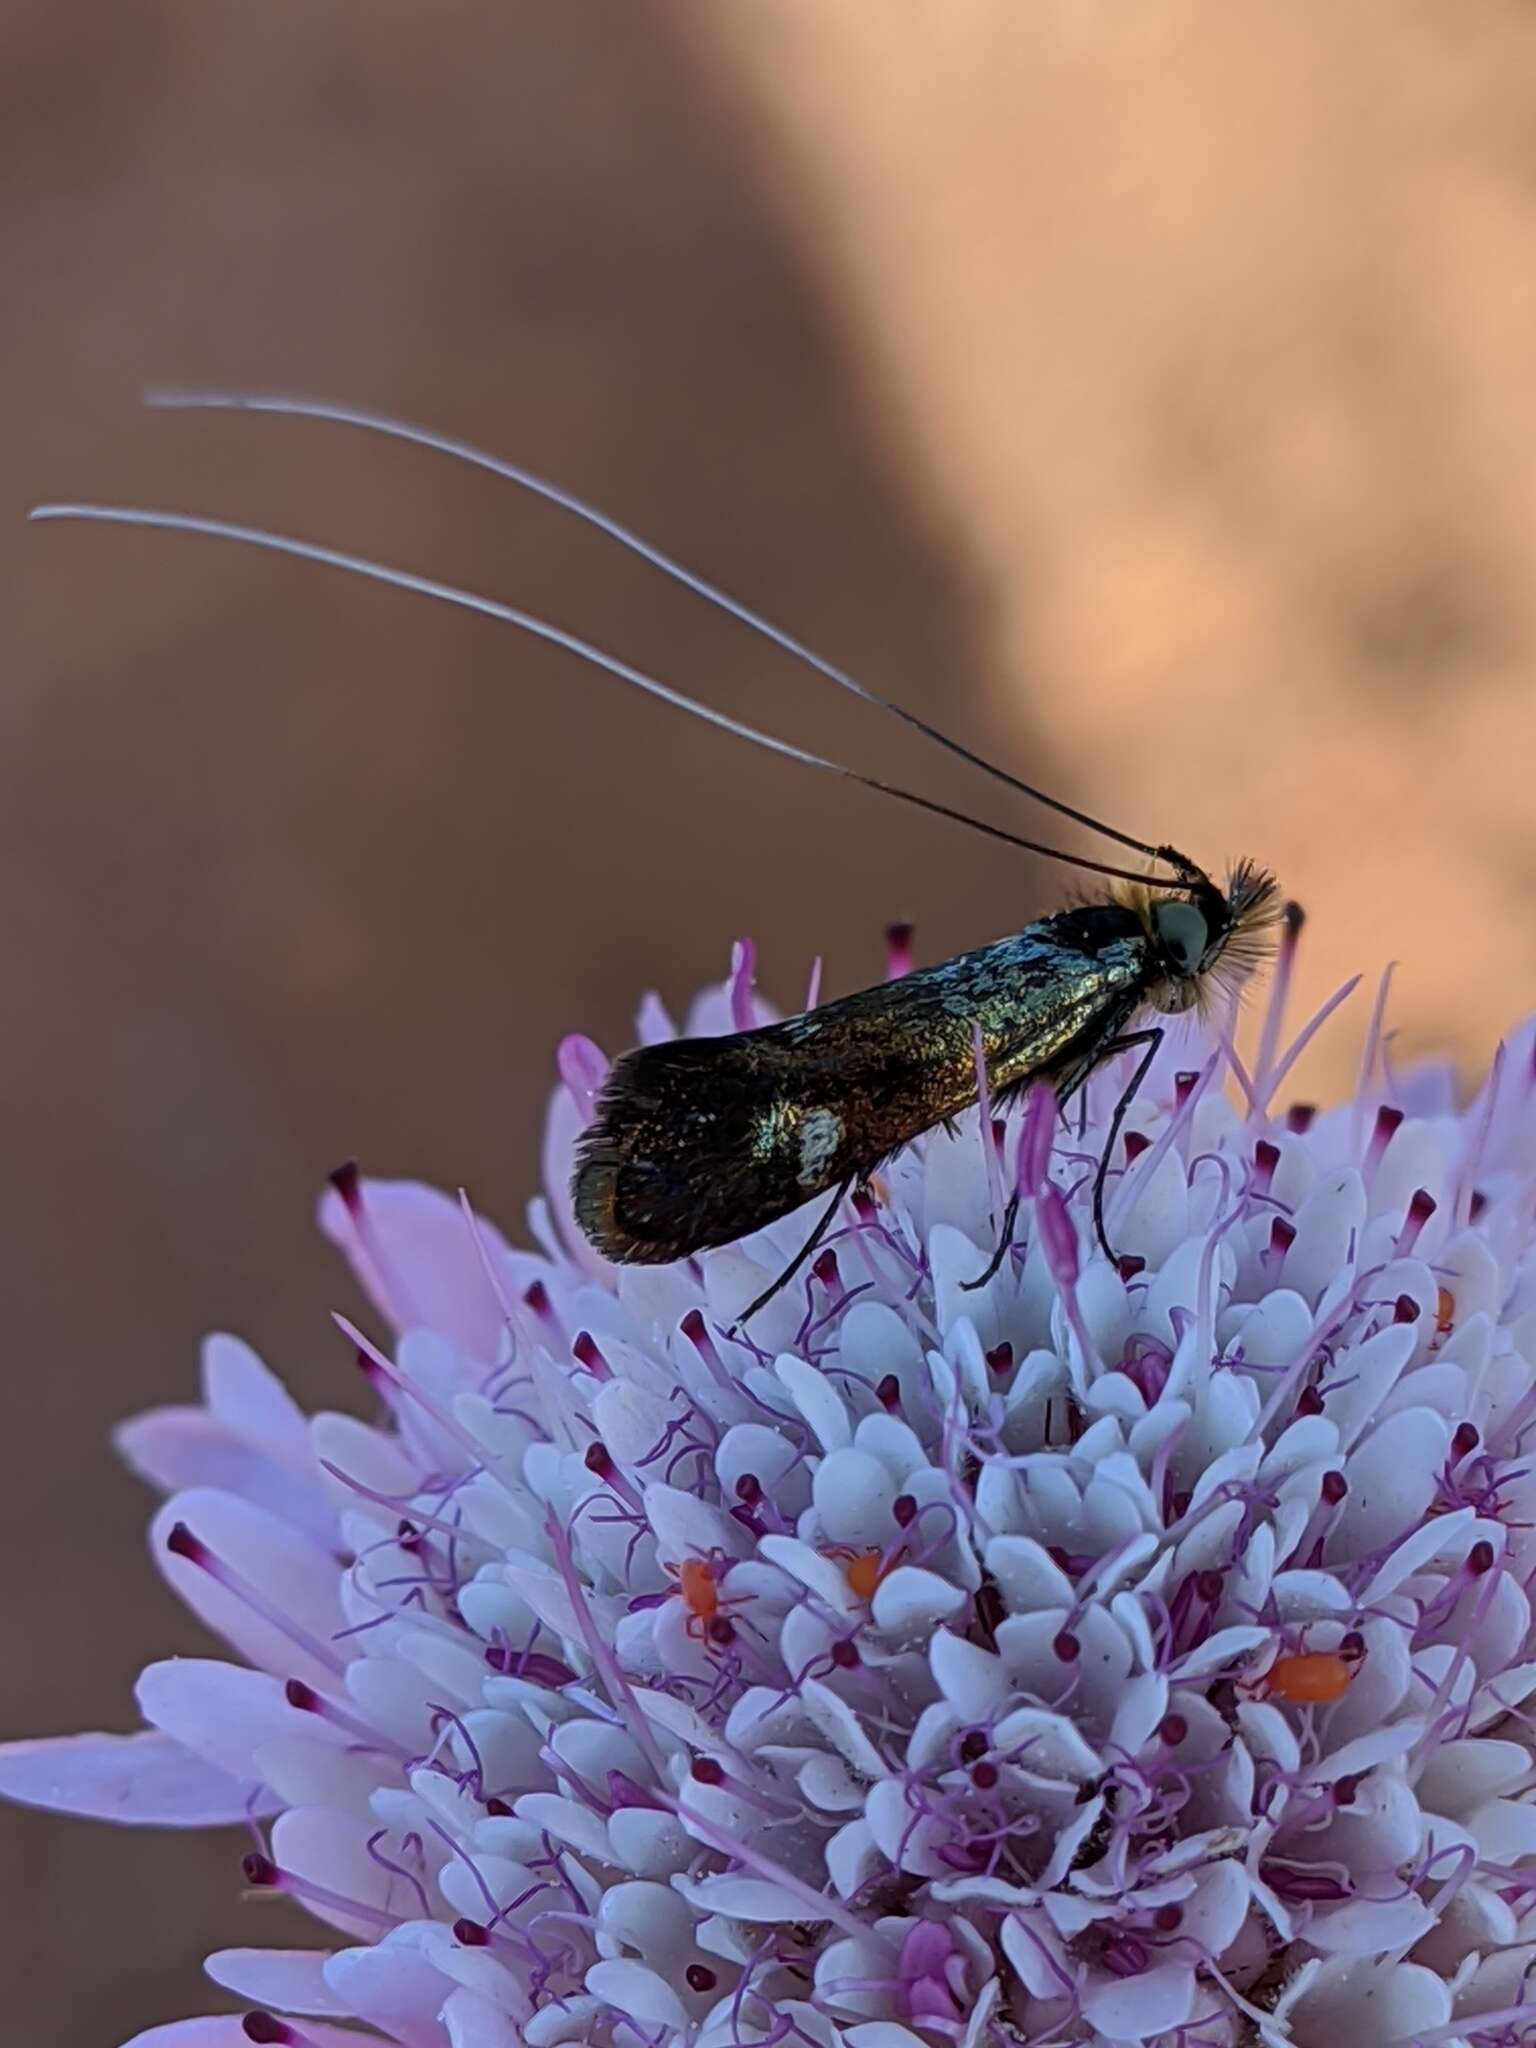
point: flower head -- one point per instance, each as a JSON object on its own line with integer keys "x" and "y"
{"x": 1131, "y": 1651}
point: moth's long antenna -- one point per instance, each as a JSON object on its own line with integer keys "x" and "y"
{"x": 541, "y": 629}
{"x": 528, "y": 480}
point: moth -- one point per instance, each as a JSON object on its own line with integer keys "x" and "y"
{"x": 698, "y": 1142}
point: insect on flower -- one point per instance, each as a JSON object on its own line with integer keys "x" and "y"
{"x": 699, "y": 1142}
{"x": 698, "y": 1585}
{"x": 1310, "y": 1678}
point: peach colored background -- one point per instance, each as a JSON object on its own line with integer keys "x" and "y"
{"x": 1150, "y": 393}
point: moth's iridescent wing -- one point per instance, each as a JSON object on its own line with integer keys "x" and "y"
{"x": 700, "y": 1141}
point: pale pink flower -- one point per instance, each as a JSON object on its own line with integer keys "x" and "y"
{"x": 1121, "y": 1653}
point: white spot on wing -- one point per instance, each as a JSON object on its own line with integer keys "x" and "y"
{"x": 820, "y": 1135}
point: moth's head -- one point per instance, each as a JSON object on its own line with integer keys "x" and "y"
{"x": 1203, "y": 937}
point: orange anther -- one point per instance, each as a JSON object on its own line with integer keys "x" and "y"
{"x": 863, "y": 1573}
{"x": 1445, "y": 1310}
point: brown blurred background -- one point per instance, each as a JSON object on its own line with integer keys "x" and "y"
{"x": 1148, "y": 393}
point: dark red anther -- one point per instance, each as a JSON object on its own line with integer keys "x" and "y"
{"x": 261, "y": 2026}
{"x": 864, "y": 1207}
{"x": 347, "y": 1182}
{"x": 1346, "y": 1789}
{"x": 623, "y": 1790}
{"x": 1172, "y": 1730}
{"x": 1183, "y": 1087}
{"x": 984, "y": 1776}
{"x": 898, "y": 950}
{"x": 1465, "y": 1441}
{"x": 1477, "y": 1202}
{"x": 1406, "y": 1310}
{"x": 1066, "y": 1647}
{"x": 536, "y": 1299}
{"x": 721, "y": 1631}
{"x": 973, "y": 1746}
{"x": 180, "y": 1542}
{"x": 1306, "y": 1886}
{"x": 700, "y": 1977}
{"x": 1136, "y": 1142}
{"x": 1309, "y": 1401}
{"x": 692, "y": 1326}
{"x": 749, "y": 1489}
{"x": 598, "y": 1460}
{"x": 904, "y": 1510}
{"x": 987, "y": 1602}
{"x": 1168, "y": 1919}
{"x": 1480, "y": 1559}
{"x": 1125, "y": 1955}
{"x": 1334, "y": 1488}
{"x": 888, "y": 1393}
{"x": 999, "y": 1133}
{"x": 845, "y": 1655}
{"x": 1266, "y": 1157}
{"x": 539, "y": 1668}
{"x": 302, "y": 1696}
{"x": 585, "y": 1351}
{"x": 1000, "y": 1358}
{"x": 1128, "y": 1265}
{"x": 1387, "y": 1121}
{"x": 258, "y": 1869}
{"x": 708, "y": 1770}
{"x": 498, "y": 1809}
{"x": 470, "y": 1934}
{"x": 1282, "y": 1235}
{"x": 1208, "y": 1585}
{"x": 407, "y": 1535}
{"x": 1352, "y": 1645}
{"x": 1300, "y": 1117}
{"x": 824, "y": 1268}
{"x": 1420, "y": 1209}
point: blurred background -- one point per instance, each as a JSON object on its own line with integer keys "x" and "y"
{"x": 1148, "y": 394}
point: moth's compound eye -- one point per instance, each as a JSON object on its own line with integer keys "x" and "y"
{"x": 1184, "y": 934}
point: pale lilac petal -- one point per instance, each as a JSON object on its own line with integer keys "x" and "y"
{"x": 176, "y": 1448}
{"x": 292, "y": 1628}
{"x": 287, "y": 1980}
{"x": 394, "y": 1987}
{"x": 1137, "y": 2008}
{"x": 144, "y": 1779}
{"x": 424, "y": 1270}
{"x": 226, "y": 2030}
{"x": 243, "y": 1393}
{"x": 223, "y": 1712}
{"x": 474, "y": 2022}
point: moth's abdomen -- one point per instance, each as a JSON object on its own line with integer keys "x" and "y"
{"x": 698, "y": 1142}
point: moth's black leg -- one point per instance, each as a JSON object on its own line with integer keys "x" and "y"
{"x": 1151, "y": 1039}
{"x": 1000, "y": 1250}
{"x": 823, "y": 1226}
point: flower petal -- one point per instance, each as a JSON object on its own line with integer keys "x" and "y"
{"x": 144, "y": 1779}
